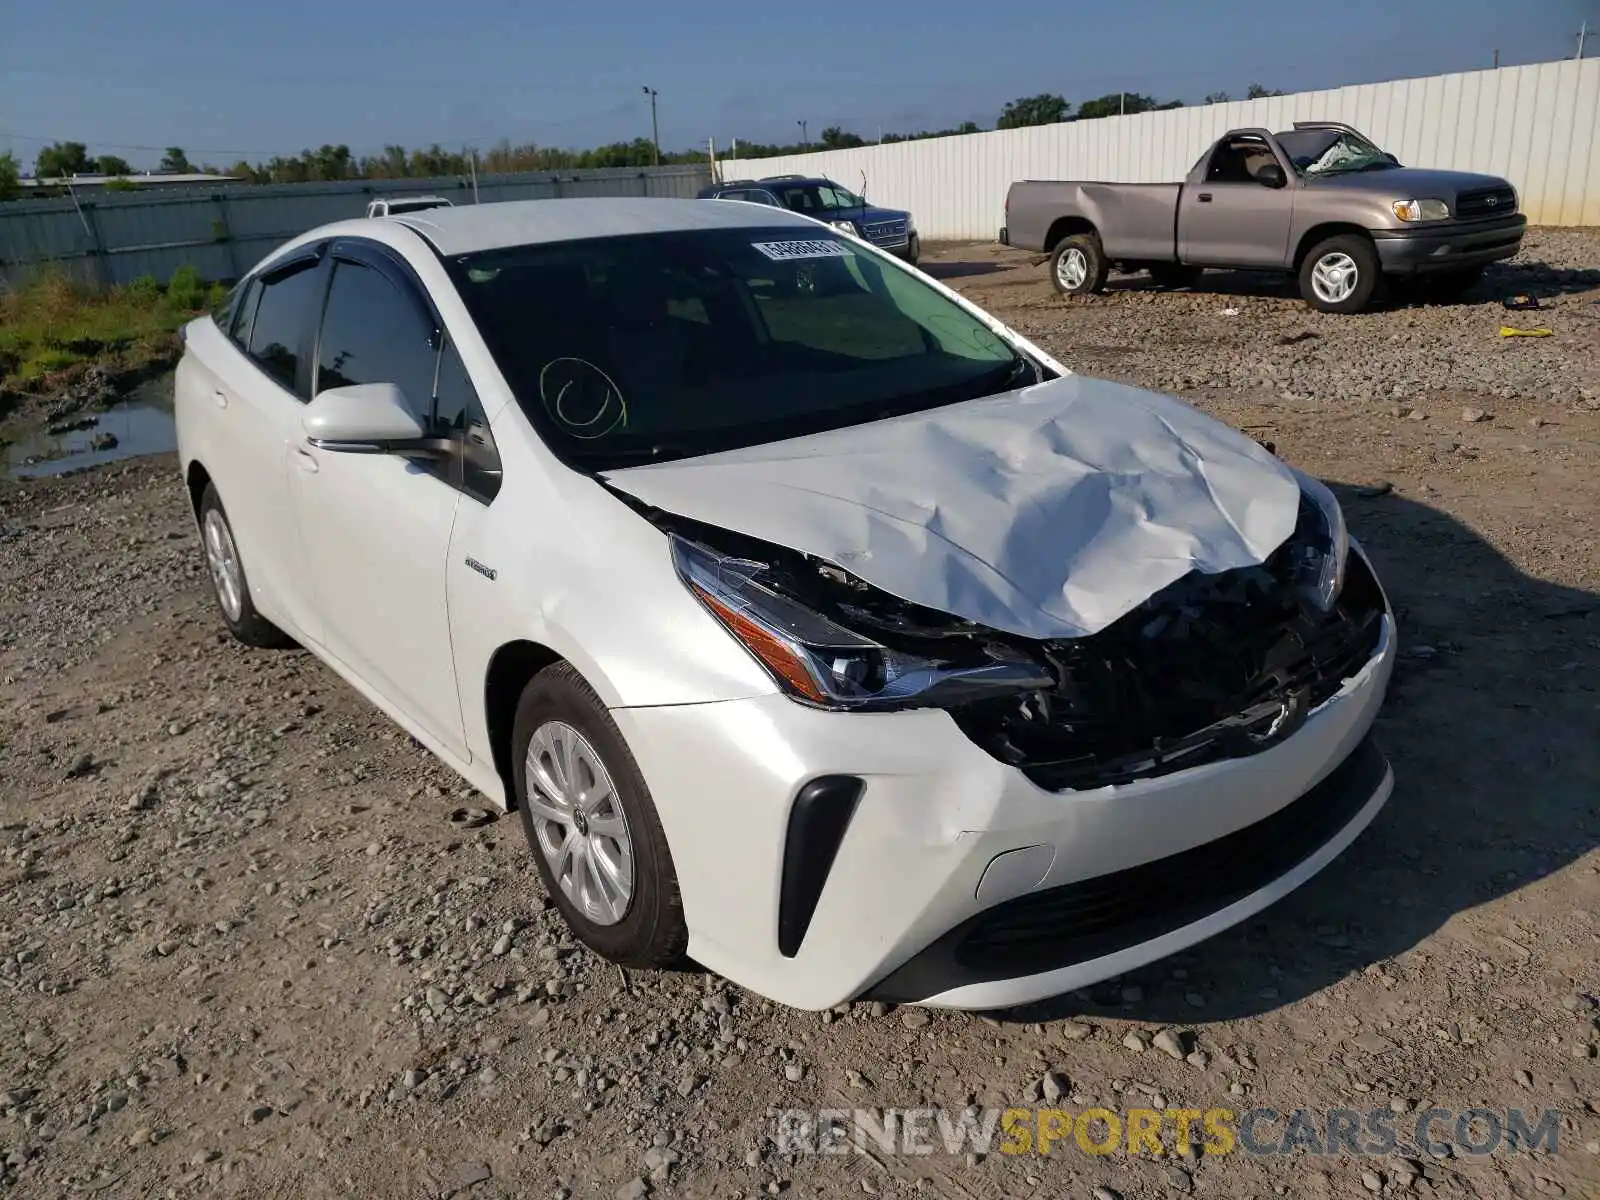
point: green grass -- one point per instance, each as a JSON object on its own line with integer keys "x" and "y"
{"x": 53, "y": 325}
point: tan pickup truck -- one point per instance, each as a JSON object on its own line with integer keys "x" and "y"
{"x": 1320, "y": 201}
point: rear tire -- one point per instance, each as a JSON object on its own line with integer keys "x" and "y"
{"x": 587, "y": 812}
{"x": 229, "y": 585}
{"x": 1078, "y": 265}
{"x": 1174, "y": 275}
{"x": 1340, "y": 275}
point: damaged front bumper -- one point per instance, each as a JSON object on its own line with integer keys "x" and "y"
{"x": 944, "y": 876}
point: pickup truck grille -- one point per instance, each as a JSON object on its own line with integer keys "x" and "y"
{"x": 1485, "y": 202}
{"x": 886, "y": 231}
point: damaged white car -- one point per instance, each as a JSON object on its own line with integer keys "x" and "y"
{"x": 820, "y": 628}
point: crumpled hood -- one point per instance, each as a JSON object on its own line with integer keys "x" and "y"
{"x": 1047, "y": 512}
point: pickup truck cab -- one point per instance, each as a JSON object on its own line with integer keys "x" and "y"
{"x": 889, "y": 229}
{"x": 1320, "y": 201}
{"x": 393, "y": 206}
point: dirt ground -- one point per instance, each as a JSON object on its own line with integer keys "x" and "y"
{"x": 246, "y": 951}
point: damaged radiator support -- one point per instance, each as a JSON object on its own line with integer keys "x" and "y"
{"x": 1211, "y": 667}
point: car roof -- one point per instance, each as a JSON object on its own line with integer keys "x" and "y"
{"x": 468, "y": 228}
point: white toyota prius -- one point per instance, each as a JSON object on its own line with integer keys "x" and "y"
{"x": 821, "y": 629}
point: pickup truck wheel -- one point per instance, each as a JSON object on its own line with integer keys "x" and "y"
{"x": 1079, "y": 265}
{"x": 1340, "y": 275}
{"x": 1174, "y": 275}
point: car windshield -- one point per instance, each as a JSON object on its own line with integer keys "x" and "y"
{"x": 1316, "y": 152}
{"x": 651, "y": 347}
{"x": 813, "y": 198}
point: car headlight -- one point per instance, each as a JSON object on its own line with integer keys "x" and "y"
{"x": 820, "y": 662}
{"x": 846, "y": 227}
{"x": 1322, "y": 553}
{"x": 1422, "y": 210}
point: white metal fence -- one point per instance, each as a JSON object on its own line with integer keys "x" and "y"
{"x": 223, "y": 231}
{"x": 1539, "y": 126}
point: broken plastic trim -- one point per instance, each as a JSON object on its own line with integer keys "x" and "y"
{"x": 817, "y": 660}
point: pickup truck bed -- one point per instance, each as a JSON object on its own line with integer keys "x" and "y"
{"x": 1320, "y": 201}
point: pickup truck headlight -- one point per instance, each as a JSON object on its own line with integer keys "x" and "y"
{"x": 819, "y": 662}
{"x": 846, "y": 227}
{"x": 1320, "y": 565}
{"x": 1422, "y": 210}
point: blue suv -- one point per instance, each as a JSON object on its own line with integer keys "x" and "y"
{"x": 888, "y": 229}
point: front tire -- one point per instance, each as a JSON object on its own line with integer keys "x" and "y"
{"x": 229, "y": 585}
{"x": 1078, "y": 266}
{"x": 592, "y": 825}
{"x": 1340, "y": 275}
{"x": 913, "y": 250}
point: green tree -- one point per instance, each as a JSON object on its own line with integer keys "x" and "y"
{"x": 10, "y": 185}
{"x": 834, "y": 138}
{"x": 175, "y": 161}
{"x": 62, "y": 158}
{"x": 1120, "y": 102}
{"x": 120, "y": 184}
{"x": 1218, "y": 98}
{"x": 111, "y": 164}
{"x": 1257, "y": 92}
{"x": 1044, "y": 109}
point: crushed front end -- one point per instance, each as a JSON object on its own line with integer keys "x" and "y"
{"x": 1211, "y": 667}
{"x": 942, "y": 813}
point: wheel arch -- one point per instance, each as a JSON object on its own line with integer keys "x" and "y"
{"x": 511, "y": 666}
{"x": 1321, "y": 233}
{"x": 196, "y": 479}
{"x": 1064, "y": 227}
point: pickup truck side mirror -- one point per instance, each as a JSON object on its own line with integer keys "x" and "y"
{"x": 1271, "y": 175}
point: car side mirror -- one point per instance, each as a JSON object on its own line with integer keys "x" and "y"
{"x": 1271, "y": 175}
{"x": 367, "y": 418}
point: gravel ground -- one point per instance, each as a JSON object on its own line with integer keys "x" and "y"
{"x": 253, "y": 942}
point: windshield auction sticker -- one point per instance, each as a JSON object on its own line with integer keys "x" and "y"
{"x": 780, "y": 251}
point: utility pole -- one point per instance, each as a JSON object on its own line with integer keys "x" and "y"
{"x": 805, "y": 141}
{"x": 1122, "y": 104}
{"x": 1583, "y": 32}
{"x": 655, "y": 130}
{"x": 1497, "y": 58}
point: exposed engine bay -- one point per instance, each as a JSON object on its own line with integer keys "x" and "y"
{"x": 1213, "y": 666}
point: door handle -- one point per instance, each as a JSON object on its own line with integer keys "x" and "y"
{"x": 220, "y": 398}
{"x": 1204, "y": 197}
{"x": 306, "y": 460}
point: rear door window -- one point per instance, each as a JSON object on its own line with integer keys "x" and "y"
{"x": 284, "y": 316}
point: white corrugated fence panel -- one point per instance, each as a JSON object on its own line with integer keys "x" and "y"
{"x": 1539, "y": 126}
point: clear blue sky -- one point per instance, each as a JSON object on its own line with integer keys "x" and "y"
{"x": 251, "y": 80}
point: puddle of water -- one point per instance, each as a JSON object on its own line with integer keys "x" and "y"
{"x": 141, "y": 424}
